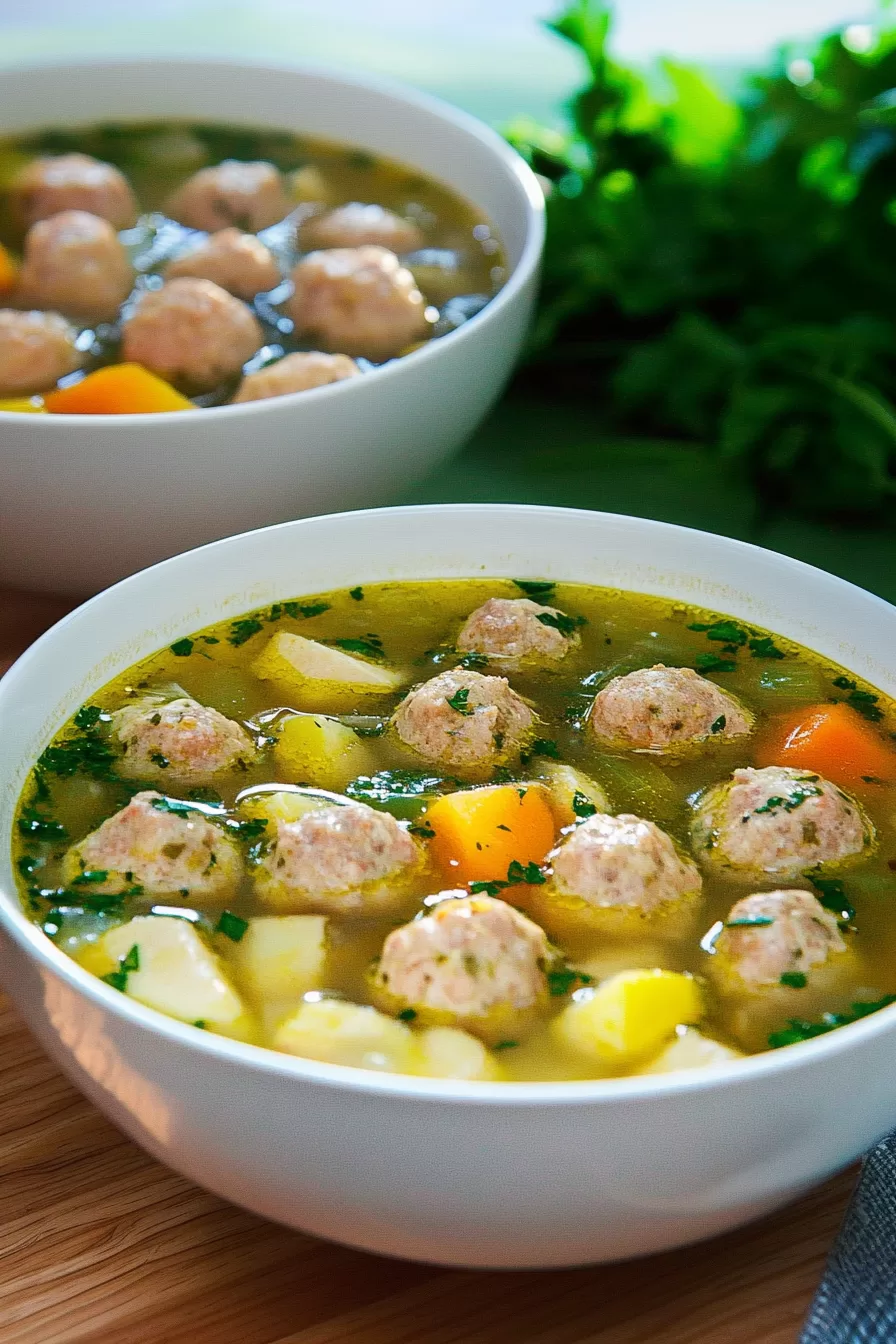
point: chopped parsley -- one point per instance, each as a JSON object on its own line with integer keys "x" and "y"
{"x": 582, "y": 806}
{"x": 182, "y": 648}
{"x": 763, "y": 646}
{"x": 28, "y": 865}
{"x": 376, "y": 730}
{"x": 800, "y": 794}
{"x": 118, "y": 979}
{"x": 719, "y": 725}
{"x": 458, "y": 701}
{"x": 88, "y": 716}
{"x": 158, "y": 759}
{"x": 200, "y": 1023}
{"x": 422, "y": 829}
{"x": 832, "y": 895}
{"x": 506, "y": 1045}
{"x": 36, "y": 827}
{"x": 562, "y": 980}
{"x": 473, "y": 661}
{"x": 797, "y": 1031}
{"x": 711, "y": 662}
{"x": 407, "y": 1015}
{"x": 89, "y": 753}
{"x": 90, "y": 876}
{"x": 306, "y": 610}
{"x": 518, "y": 874}
{"x": 356, "y": 594}
{"x": 558, "y": 620}
{"x": 750, "y": 922}
{"x": 403, "y": 792}
{"x": 863, "y": 702}
{"x": 371, "y": 646}
{"x": 243, "y": 630}
{"x": 536, "y": 587}
{"x": 722, "y": 632}
{"x": 794, "y": 979}
{"x": 231, "y": 926}
{"x": 542, "y": 746}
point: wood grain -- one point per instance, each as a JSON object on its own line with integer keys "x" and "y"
{"x": 99, "y": 1244}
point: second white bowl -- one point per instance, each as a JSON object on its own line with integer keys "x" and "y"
{"x": 85, "y": 500}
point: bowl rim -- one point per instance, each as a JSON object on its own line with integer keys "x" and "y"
{"x": 531, "y": 195}
{"x": 260, "y": 1059}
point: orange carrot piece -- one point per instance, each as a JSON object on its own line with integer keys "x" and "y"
{"x": 118, "y": 389}
{"x": 480, "y": 832}
{"x": 833, "y": 740}
{"x": 7, "y": 270}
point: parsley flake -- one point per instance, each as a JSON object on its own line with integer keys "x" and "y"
{"x": 562, "y": 980}
{"x": 407, "y": 1015}
{"x": 797, "y": 1031}
{"x": 182, "y": 648}
{"x": 719, "y": 725}
{"x": 306, "y": 610}
{"x": 458, "y": 701}
{"x": 371, "y": 646}
{"x": 231, "y": 926}
{"x": 582, "y": 806}
{"x": 356, "y": 594}
{"x": 711, "y": 662}
{"x": 243, "y": 630}
{"x": 558, "y": 620}
{"x": 536, "y": 587}
{"x": 794, "y": 980}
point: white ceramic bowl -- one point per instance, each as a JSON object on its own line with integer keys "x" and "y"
{"x": 85, "y": 500}
{"x": 478, "y": 1174}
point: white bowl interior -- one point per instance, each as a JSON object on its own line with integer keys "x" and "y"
{"x": 414, "y": 128}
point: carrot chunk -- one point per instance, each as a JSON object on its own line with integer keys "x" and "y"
{"x": 479, "y": 833}
{"x": 7, "y": 270}
{"x": 832, "y": 740}
{"x": 118, "y": 389}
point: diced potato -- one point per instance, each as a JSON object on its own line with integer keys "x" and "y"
{"x": 568, "y": 789}
{"x": 629, "y": 1016}
{"x": 177, "y": 973}
{"x": 281, "y": 956}
{"x": 318, "y": 678}
{"x": 312, "y": 749}
{"x": 336, "y": 1032}
{"x": 284, "y": 804}
{"x": 446, "y": 1052}
{"x": 690, "y": 1050}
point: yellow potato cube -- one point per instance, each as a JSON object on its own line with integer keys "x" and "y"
{"x": 285, "y": 804}
{"x": 281, "y": 956}
{"x": 690, "y": 1050}
{"x": 446, "y": 1052}
{"x": 629, "y": 1016}
{"x": 571, "y": 792}
{"x": 337, "y": 1032}
{"x": 175, "y": 972}
{"x": 318, "y": 678}
{"x": 312, "y": 749}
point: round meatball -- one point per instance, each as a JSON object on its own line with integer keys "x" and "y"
{"x": 773, "y": 934}
{"x": 73, "y": 182}
{"x": 357, "y": 225}
{"x": 75, "y": 262}
{"x": 776, "y": 823}
{"x": 345, "y": 860}
{"x": 36, "y": 350}
{"x": 191, "y": 332}
{"x": 617, "y": 875}
{"x": 180, "y": 742}
{"x": 248, "y": 195}
{"x": 474, "y": 962}
{"x": 464, "y": 720}
{"x": 296, "y": 373}
{"x": 665, "y": 708}
{"x": 360, "y": 300}
{"x": 516, "y": 630}
{"x": 163, "y": 853}
{"x": 238, "y": 262}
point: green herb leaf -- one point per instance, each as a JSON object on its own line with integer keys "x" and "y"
{"x": 562, "y": 980}
{"x": 407, "y": 1015}
{"x": 371, "y": 646}
{"x": 797, "y": 1031}
{"x": 763, "y": 646}
{"x": 305, "y": 611}
{"x": 486, "y": 888}
{"x": 458, "y": 701}
{"x": 243, "y": 630}
{"x": 506, "y": 1045}
{"x": 540, "y": 588}
{"x": 88, "y": 716}
{"x": 356, "y": 594}
{"x": 799, "y": 794}
{"x": 473, "y": 661}
{"x": 711, "y": 662}
{"x": 724, "y": 632}
{"x": 718, "y": 726}
{"x": 182, "y": 648}
{"x": 423, "y": 829}
{"x": 749, "y": 922}
{"x": 583, "y": 806}
{"x": 529, "y": 873}
{"x": 231, "y": 925}
{"x": 90, "y": 876}
{"x": 832, "y": 895}
{"x": 558, "y": 620}
{"x": 794, "y": 980}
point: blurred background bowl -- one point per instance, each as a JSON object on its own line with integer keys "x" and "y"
{"x": 85, "y": 500}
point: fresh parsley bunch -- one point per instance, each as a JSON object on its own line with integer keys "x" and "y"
{"x": 724, "y": 271}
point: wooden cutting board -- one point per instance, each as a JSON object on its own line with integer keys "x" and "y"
{"x": 101, "y": 1245}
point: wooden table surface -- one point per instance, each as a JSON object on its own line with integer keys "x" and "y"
{"x": 100, "y": 1245}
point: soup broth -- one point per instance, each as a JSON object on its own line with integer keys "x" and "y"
{"x": 625, "y": 982}
{"x": 446, "y": 252}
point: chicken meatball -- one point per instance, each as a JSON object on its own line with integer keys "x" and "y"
{"x": 191, "y": 332}
{"x": 296, "y": 373}
{"x": 347, "y": 860}
{"x": 73, "y": 182}
{"x": 238, "y": 262}
{"x": 36, "y": 350}
{"x": 465, "y": 720}
{"x": 248, "y": 195}
{"x": 163, "y": 853}
{"x": 474, "y": 962}
{"x": 75, "y": 262}
{"x": 665, "y": 709}
{"x": 358, "y": 225}
{"x": 360, "y": 300}
{"x": 516, "y": 630}
{"x": 776, "y": 823}
{"x": 773, "y": 934}
{"x": 180, "y": 742}
{"x": 616, "y": 875}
